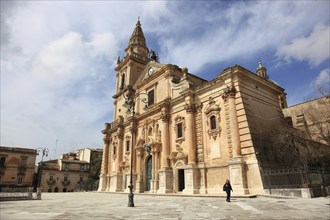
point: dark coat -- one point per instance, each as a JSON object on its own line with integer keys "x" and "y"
{"x": 227, "y": 187}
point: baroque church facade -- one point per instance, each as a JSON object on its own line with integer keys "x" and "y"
{"x": 188, "y": 135}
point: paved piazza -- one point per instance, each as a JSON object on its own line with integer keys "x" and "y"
{"x": 96, "y": 205}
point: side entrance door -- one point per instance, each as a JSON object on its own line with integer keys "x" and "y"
{"x": 181, "y": 180}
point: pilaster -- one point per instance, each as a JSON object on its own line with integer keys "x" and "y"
{"x": 191, "y": 180}
{"x": 237, "y": 175}
{"x": 105, "y": 159}
{"x": 165, "y": 181}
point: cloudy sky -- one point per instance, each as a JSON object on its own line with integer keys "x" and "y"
{"x": 57, "y": 57}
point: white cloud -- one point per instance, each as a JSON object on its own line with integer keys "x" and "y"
{"x": 70, "y": 58}
{"x": 104, "y": 44}
{"x": 322, "y": 81}
{"x": 227, "y": 35}
{"x": 314, "y": 48}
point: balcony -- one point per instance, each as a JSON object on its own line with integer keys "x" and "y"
{"x": 51, "y": 182}
{"x": 81, "y": 183}
{"x": 22, "y": 168}
{"x": 65, "y": 182}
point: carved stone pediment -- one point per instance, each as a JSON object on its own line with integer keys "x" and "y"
{"x": 212, "y": 107}
{"x": 139, "y": 146}
{"x": 179, "y": 156}
{"x": 125, "y": 165}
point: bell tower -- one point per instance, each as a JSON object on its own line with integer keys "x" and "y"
{"x": 262, "y": 71}
{"x": 130, "y": 67}
{"x": 137, "y": 43}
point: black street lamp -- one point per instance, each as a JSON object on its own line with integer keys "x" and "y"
{"x": 130, "y": 100}
{"x": 44, "y": 152}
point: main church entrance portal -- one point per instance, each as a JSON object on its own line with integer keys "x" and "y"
{"x": 148, "y": 173}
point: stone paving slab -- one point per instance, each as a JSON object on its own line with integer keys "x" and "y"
{"x": 111, "y": 206}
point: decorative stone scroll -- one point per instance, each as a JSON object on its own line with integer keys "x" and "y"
{"x": 199, "y": 133}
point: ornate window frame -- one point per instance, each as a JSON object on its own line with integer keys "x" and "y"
{"x": 179, "y": 120}
{"x": 127, "y": 138}
{"x": 213, "y": 110}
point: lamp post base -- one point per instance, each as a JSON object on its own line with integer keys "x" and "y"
{"x": 130, "y": 199}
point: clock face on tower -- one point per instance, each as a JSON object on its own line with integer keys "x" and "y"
{"x": 150, "y": 71}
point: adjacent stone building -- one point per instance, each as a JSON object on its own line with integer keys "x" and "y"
{"x": 189, "y": 135}
{"x": 312, "y": 117}
{"x": 94, "y": 158}
{"x": 66, "y": 174}
{"x": 17, "y": 167}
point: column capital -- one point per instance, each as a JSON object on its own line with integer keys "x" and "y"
{"x": 190, "y": 108}
{"x": 165, "y": 117}
{"x": 106, "y": 139}
{"x": 229, "y": 92}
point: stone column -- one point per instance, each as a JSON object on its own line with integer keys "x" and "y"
{"x": 156, "y": 182}
{"x": 104, "y": 166}
{"x": 165, "y": 141}
{"x": 235, "y": 139}
{"x": 116, "y": 176}
{"x": 236, "y": 164}
{"x": 165, "y": 173}
{"x": 190, "y": 134}
{"x": 139, "y": 174}
{"x": 110, "y": 165}
{"x": 191, "y": 170}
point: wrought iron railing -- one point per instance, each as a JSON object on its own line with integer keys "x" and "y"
{"x": 51, "y": 182}
{"x": 295, "y": 177}
{"x": 65, "y": 182}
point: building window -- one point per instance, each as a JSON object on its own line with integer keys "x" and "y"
{"x": 65, "y": 178}
{"x": 179, "y": 127}
{"x": 213, "y": 122}
{"x": 51, "y": 177}
{"x": 122, "y": 82}
{"x": 23, "y": 161}
{"x": 300, "y": 120}
{"x": 66, "y": 166}
{"x": 2, "y": 161}
{"x": 127, "y": 145}
{"x": 151, "y": 97}
{"x": 20, "y": 180}
{"x": 81, "y": 179}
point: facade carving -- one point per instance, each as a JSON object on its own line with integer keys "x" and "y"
{"x": 193, "y": 135}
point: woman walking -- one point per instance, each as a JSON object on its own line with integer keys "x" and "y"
{"x": 227, "y": 188}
